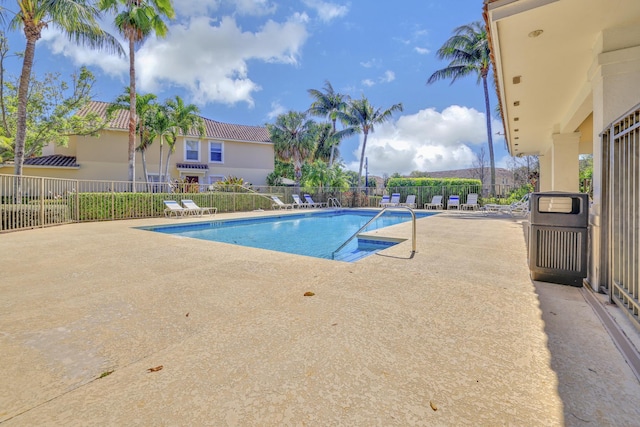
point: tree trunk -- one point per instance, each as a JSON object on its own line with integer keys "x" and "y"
{"x": 144, "y": 169}
{"x": 23, "y": 93}
{"x": 166, "y": 167}
{"x": 489, "y": 136}
{"x": 132, "y": 115}
{"x": 364, "y": 146}
{"x": 333, "y": 147}
{"x": 160, "y": 177}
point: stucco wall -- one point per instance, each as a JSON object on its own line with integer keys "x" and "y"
{"x": 106, "y": 158}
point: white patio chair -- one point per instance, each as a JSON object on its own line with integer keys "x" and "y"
{"x": 191, "y": 207}
{"x": 472, "y": 202}
{"x": 410, "y": 202}
{"x": 280, "y": 204}
{"x": 436, "y": 203}
{"x": 173, "y": 208}
{"x": 453, "y": 202}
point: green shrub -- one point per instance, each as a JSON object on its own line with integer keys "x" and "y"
{"x": 29, "y": 215}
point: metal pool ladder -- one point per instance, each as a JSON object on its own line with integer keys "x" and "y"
{"x": 334, "y": 202}
{"x": 413, "y": 231}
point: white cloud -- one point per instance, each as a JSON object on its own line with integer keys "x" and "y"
{"x": 205, "y": 57}
{"x": 186, "y": 8}
{"x": 422, "y": 50}
{"x": 427, "y": 141}
{"x": 195, "y": 8}
{"x": 389, "y": 76}
{"x": 211, "y": 61}
{"x": 370, "y": 63}
{"x": 254, "y": 7}
{"x": 79, "y": 55}
{"x": 276, "y": 110}
{"x": 327, "y": 11}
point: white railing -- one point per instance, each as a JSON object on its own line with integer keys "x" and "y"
{"x": 31, "y": 202}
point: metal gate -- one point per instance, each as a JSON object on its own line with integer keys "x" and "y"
{"x": 623, "y": 141}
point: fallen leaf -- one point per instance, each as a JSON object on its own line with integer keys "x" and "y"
{"x": 156, "y": 369}
{"x": 433, "y": 406}
{"x": 104, "y": 374}
{"x": 309, "y": 294}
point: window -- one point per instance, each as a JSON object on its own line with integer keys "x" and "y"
{"x": 192, "y": 150}
{"x": 215, "y": 178}
{"x": 215, "y": 152}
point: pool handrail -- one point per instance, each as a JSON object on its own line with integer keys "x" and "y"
{"x": 413, "y": 234}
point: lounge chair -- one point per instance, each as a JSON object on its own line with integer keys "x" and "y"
{"x": 472, "y": 202}
{"x": 191, "y": 207}
{"x": 384, "y": 200}
{"x": 299, "y": 203}
{"x": 280, "y": 204}
{"x": 436, "y": 203}
{"x": 521, "y": 207}
{"x": 173, "y": 208}
{"x": 394, "y": 201}
{"x": 314, "y": 204}
{"x": 410, "y": 202}
{"x": 453, "y": 202}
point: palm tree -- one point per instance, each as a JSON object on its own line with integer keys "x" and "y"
{"x": 136, "y": 21}
{"x": 293, "y": 135}
{"x": 362, "y": 117}
{"x": 184, "y": 118}
{"x": 329, "y": 104}
{"x": 468, "y": 51}
{"x": 78, "y": 19}
{"x": 162, "y": 125}
{"x": 145, "y": 106}
{"x": 325, "y": 143}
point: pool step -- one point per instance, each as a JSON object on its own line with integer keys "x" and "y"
{"x": 365, "y": 248}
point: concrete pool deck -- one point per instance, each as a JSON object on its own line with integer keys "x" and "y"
{"x": 456, "y": 335}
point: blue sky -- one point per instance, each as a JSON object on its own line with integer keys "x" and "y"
{"x": 246, "y": 61}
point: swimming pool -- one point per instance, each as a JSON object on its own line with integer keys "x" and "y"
{"x": 316, "y": 234}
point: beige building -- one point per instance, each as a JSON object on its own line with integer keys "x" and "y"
{"x": 567, "y": 73}
{"x": 225, "y": 150}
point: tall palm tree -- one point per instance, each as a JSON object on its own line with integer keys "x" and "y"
{"x": 78, "y": 19}
{"x": 293, "y": 136}
{"x": 184, "y": 118}
{"x": 363, "y": 117}
{"x": 468, "y": 51}
{"x": 162, "y": 125}
{"x": 145, "y": 106}
{"x": 328, "y": 104}
{"x": 136, "y": 20}
{"x": 325, "y": 143}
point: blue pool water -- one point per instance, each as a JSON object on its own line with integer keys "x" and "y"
{"x": 317, "y": 234}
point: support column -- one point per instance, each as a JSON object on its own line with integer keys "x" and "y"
{"x": 546, "y": 169}
{"x": 565, "y": 151}
{"x": 614, "y": 77}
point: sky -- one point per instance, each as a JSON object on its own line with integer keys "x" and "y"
{"x": 247, "y": 61}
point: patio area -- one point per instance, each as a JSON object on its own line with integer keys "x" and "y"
{"x": 102, "y": 323}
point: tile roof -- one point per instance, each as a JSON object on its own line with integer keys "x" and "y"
{"x": 55, "y": 160}
{"x": 213, "y": 129}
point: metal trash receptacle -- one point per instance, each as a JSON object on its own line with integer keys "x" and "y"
{"x": 558, "y": 237}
